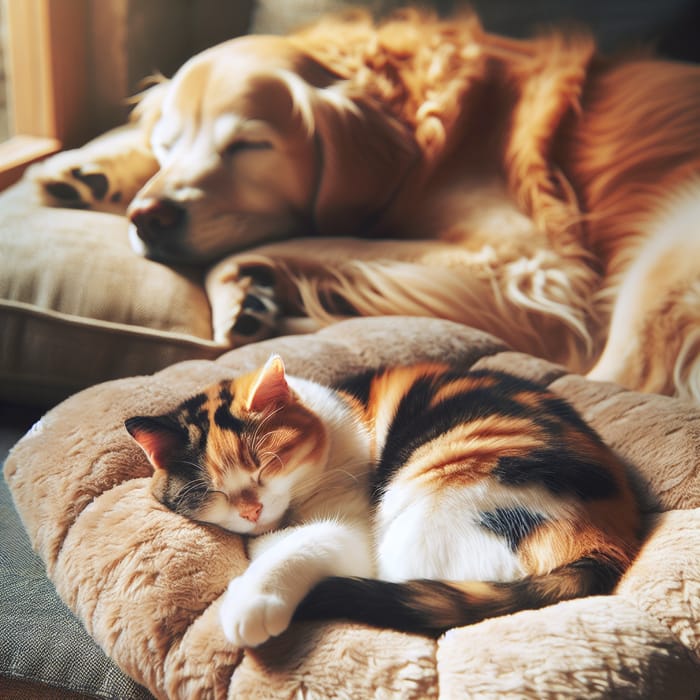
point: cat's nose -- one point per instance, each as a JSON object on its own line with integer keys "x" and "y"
{"x": 250, "y": 510}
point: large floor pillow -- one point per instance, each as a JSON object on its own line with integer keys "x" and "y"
{"x": 78, "y": 307}
{"x": 146, "y": 583}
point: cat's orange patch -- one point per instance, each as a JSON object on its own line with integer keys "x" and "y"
{"x": 461, "y": 386}
{"x": 556, "y": 543}
{"x": 469, "y": 451}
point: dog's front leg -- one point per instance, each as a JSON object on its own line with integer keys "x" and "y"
{"x": 537, "y": 302}
{"x": 288, "y": 287}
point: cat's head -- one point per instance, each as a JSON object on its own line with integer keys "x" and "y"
{"x": 237, "y": 454}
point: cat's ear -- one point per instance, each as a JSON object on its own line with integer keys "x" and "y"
{"x": 269, "y": 388}
{"x": 160, "y": 437}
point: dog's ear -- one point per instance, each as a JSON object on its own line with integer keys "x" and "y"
{"x": 365, "y": 156}
{"x": 279, "y": 99}
{"x": 148, "y": 104}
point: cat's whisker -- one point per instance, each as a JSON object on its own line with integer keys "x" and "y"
{"x": 191, "y": 487}
{"x": 275, "y": 456}
{"x": 261, "y": 427}
{"x": 196, "y": 465}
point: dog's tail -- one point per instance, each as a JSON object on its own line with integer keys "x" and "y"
{"x": 431, "y": 607}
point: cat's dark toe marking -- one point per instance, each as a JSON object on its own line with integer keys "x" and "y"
{"x": 247, "y": 325}
{"x": 97, "y": 182}
{"x": 63, "y": 191}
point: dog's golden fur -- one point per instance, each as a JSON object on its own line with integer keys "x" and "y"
{"x": 530, "y": 188}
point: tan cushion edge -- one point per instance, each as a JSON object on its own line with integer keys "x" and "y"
{"x": 109, "y": 326}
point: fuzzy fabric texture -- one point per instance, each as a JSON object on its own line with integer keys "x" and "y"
{"x": 147, "y": 583}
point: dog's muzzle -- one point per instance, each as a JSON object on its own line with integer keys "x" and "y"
{"x": 158, "y": 227}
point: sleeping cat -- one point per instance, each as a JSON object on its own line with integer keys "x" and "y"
{"x": 417, "y": 497}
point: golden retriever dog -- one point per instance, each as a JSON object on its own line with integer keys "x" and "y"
{"x": 420, "y": 166}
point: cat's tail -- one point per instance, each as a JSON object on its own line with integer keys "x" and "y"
{"x": 431, "y": 607}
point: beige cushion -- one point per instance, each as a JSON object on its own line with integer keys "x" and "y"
{"x": 146, "y": 583}
{"x": 77, "y": 306}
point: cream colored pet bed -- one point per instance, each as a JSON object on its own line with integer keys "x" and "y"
{"x": 146, "y": 583}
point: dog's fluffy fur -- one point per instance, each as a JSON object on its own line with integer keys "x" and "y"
{"x": 529, "y": 188}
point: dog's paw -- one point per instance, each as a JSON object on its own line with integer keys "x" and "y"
{"x": 249, "y": 615}
{"x": 258, "y": 317}
{"x": 244, "y": 303}
{"x": 103, "y": 175}
{"x": 65, "y": 180}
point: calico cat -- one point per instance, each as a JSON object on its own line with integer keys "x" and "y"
{"x": 416, "y": 497}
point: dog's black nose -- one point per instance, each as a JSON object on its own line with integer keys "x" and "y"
{"x": 155, "y": 219}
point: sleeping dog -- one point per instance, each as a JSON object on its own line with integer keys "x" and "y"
{"x": 421, "y": 166}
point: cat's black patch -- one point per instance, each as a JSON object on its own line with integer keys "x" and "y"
{"x": 225, "y": 393}
{"x": 158, "y": 425}
{"x": 194, "y": 413}
{"x": 567, "y": 414}
{"x": 226, "y": 421}
{"x": 358, "y": 385}
{"x": 560, "y": 471}
{"x": 194, "y": 403}
{"x": 412, "y": 427}
{"x": 513, "y": 524}
{"x": 553, "y": 411}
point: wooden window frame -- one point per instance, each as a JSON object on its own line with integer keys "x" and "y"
{"x": 47, "y": 59}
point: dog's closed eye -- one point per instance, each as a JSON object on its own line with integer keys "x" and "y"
{"x": 241, "y": 145}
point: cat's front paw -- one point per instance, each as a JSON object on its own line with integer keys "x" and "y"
{"x": 250, "y": 616}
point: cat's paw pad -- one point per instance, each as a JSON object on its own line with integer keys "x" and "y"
{"x": 249, "y": 618}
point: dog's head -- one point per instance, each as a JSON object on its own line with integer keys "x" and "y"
{"x": 257, "y": 141}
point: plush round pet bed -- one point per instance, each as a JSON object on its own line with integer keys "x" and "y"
{"x": 146, "y": 583}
